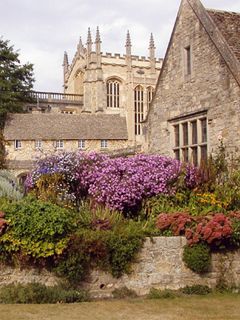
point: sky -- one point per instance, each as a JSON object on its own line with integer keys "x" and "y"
{"x": 43, "y": 30}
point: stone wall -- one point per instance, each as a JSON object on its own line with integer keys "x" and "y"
{"x": 28, "y": 151}
{"x": 158, "y": 265}
{"x": 210, "y": 86}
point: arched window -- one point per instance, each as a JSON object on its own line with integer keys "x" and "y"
{"x": 113, "y": 93}
{"x": 150, "y": 92}
{"x": 138, "y": 108}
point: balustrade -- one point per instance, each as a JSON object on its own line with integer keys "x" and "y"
{"x": 56, "y": 96}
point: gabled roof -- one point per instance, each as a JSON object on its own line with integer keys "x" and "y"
{"x": 49, "y": 126}
{"x": 229, "y": 25}
{"x": 223, "y": 29}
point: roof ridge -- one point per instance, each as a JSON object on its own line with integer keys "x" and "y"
{"x": 64, "y": 115}
{"x": 222, "y": 11}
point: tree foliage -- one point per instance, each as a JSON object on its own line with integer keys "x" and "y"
{"x": 16, "y": 81}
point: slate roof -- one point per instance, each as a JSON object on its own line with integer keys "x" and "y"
{"x": 229, "y": 25}
{"x": 65, "y": 126}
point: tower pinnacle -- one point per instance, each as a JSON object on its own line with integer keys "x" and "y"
{"x": 98, "y": 48}
{"x": 98, "y": 39}
{"x": 98, "y": 42}
{"x": 152, "y": 54}
{"x": 89, "y": 41}
{"x": 151, "y": 43}
{"x": 80, "y": 46}
{"x": 65, "y": 61}
{"x": 128, "y": 44}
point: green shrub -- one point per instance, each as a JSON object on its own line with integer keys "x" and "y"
{"x": 162, "y": 294}
{"x": 164, "y": 203}
{"x": 111, "y": 250}
{"x": 39, "y": 293}
{"x": 123, "y": 292}
{"x": 196, "y": 289}
{"x": 68, "y": 243}
{"x": 75, "y": 261}
{"x": 235, "y": 238}
{"x": 122, "y": 246}
{"x": 197, "y": 257}
{"x": 36, "y": 229}
{"x": 193, "y": 202}
{"x": 91, "y": 216}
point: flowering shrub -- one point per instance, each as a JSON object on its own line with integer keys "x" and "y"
{"x": 213, "y": 229}
{"x": 119, "y": 183}
{"x": 210, "y": 199}
{"x": 177, "y": 222}
{"x": 65, "y": 177}
{"x": 122, "y": 183}
{"x": 216, "y": 229}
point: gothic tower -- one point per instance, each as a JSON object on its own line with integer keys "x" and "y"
{"x": 113, "y": 83}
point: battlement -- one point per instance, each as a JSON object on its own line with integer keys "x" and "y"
{"x": 116, "y": 59}
{"x": 90, "y": 56}
{"x": 123, "y": 57}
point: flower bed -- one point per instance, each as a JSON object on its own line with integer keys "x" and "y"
{"x": 119, "y": 183}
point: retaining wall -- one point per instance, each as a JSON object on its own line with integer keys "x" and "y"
{"x": 158, "y": 265}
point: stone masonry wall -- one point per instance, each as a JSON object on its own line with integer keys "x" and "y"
{"x": 28, "y": 150}
{"x": 158, "y": 265}
{"x": 211, "y": 86}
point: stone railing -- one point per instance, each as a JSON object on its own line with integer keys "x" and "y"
{"x": 55, "y": 96}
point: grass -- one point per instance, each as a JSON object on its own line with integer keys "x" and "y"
{"x": 211, "y": 307}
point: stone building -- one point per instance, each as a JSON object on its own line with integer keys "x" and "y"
{"x": 197, "y": 100}
{"x": 105, "y": 98}
{"x": 31, "y": 136}
{"x": 113, "y": 83}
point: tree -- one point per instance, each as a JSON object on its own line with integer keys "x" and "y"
{"x": 16, "y": 81}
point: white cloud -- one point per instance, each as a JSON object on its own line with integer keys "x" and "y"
{"x": 42, "y": 30}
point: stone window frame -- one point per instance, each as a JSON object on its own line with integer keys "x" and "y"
{"x": 104, "y": 144}
{"x": 187, "y": 59}
{"x": 113, "y": 87}
{"x": 81, "y": 144}
{"x": 190, "y": 142}
{"x": 38, "y": 144}
{"x": 59, "y": 144}
{"x": 17, "y": 144}
{"x": 138, "y": 109}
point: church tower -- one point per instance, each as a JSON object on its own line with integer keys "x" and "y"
{"x": 114, "y": 84}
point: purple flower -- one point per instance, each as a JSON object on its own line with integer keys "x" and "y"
{"x": 118, "y": 183}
